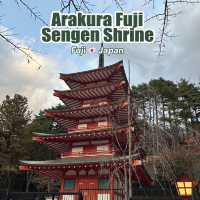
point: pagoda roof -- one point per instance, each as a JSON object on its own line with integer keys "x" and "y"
{"x": 75, "y": 80}
{"x": 59, "y": 147}
{"x": 60, "y": 142}
{"x": 80, "y": 134}
{"x": 67, "y": 162}
{"x": 77, "y": 134}
{"x": 55, "y": 168}
{"x": 94, "y": 91}
{"x": 88, "y": 112}
{"x": 70, "y": 118}
{"x": 56, "y": 141}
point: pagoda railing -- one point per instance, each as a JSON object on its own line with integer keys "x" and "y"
{"x": 102, "y": 194}
{"x": 83, "y": 194}
{"x": 90, "y": 152}
{"x": 41, "y": 196}
{"x": 90, "y": 194}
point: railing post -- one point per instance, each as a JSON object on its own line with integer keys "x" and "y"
{"x": 7, "y": 196}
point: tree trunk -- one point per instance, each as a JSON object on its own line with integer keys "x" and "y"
{"x": 163, "y": 112}
{"x": 170, "y": 118}
{"x": 29, "y": 176}
{"x": 157, "y": 123}
{"x": 125, "y": 183}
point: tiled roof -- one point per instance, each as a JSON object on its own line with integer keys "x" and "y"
{"x": 75, "y": 80}
{"x": 79, "y": 160}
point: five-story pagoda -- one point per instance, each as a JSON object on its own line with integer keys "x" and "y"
{"x": 93, "y": 149}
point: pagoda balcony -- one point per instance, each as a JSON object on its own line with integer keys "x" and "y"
{"x": 60, "y": 142}
{"x": 88, "y": 153}
{"x": 90, "y": 127}
{"x": 72, "y": 119}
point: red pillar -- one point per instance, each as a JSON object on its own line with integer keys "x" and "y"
{"x": 62, "y": 182}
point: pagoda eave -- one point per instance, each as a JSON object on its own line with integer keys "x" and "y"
{"x": 54, "y": 169}
{"x": 88, "y": 112}
{"x": 75, "y": 80}
{"x": 59, "y": 141}
{"x": 101, "y": 133}
{"x": 71, "y": 138}
{"x": 95, "y": 91}
{"x": 70, "y": 163}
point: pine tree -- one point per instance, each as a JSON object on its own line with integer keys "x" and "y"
{"x": 14, "y": 116}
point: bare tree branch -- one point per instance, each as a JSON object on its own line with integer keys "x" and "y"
{"x": 85, "y": 5}
{"x": 23, "y": 50}
{"x": 147, "y": 2}
{"x": 32, "y": 11}
{"x": 28, "y": 55}
{"x": 75, "y": 5}
{"x": 62, "y": 4}
{"x": 183, "y": 1}
{"x": 167, "y": 14}
{"x": 164, "y": 26}
{"x": 119, "y": 5}
{"x": 154, "y": 16}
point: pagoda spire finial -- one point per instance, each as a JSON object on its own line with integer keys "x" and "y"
{"x": 101, "y": 57}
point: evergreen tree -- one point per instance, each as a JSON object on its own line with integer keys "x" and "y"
{"x": 14, "y": 117}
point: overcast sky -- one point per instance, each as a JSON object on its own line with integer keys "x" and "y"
{"x": 181, "y": 57}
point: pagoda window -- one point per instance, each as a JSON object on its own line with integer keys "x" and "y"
{"x": 103, "y": 124}
{"x": 91, "y": 172}
{"x": 82, "y": 126}
{"x": 103, "y": 148}
{"x": 103, "y": 103}
{"x": 69, "y": 184}
{"x": 82, "y": 172}
{"x": 77, "y": 150}
{"x": 86, "y": 105}
{"x": 70, "y": 173}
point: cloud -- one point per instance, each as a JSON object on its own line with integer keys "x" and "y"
{"x": 18, "y": 76}
{"x": 180, "y": 57}
{"x": 180, "y": 60}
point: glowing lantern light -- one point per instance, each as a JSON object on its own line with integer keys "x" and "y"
{"x": 184, "y": 187}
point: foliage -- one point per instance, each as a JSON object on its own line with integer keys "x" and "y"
{"x": 169, "y": 105}
{"x": 14, "y": 117}
{"x": 170, "y": 114}
{"x": 16, "y": 131}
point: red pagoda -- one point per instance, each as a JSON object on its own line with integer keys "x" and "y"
{"x": 93, "y": 149}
